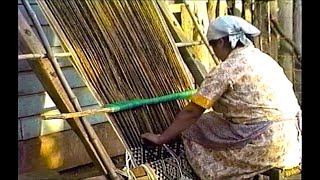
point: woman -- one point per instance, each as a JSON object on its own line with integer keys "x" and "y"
{"x": 254, "y": 123}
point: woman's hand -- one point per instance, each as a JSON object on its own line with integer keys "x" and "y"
{"x": 154, "y": 138}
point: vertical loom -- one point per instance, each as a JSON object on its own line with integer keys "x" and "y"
{"x": 124, "y": 51}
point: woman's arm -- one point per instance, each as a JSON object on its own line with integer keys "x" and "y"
{"x": 186, "y": 117}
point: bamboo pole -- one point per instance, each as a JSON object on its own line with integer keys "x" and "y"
{"x": 286, "y": 23}
{"x": 212, "y": 9}
{"x": 105, "y": 158}
{"x": 204, "y": 39}
{"x": 40, "y": 56}
{"x": 186, "y": 44}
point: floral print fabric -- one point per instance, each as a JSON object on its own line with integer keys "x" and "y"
{"x": 248, "y": 88}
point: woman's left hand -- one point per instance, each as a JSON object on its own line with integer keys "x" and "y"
{"x": 154, "y": 138}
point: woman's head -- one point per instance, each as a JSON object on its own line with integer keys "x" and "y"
{"x": 228, "y": 32}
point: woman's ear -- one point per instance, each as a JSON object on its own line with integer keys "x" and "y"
{"x": 222, "y": 43}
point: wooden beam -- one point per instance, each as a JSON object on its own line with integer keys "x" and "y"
{"x": 28, "y": 43}
{"x": 63, "y": 150}
{"x": 197, "y": 69}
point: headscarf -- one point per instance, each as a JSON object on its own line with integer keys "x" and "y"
{"x": 234, "y": 27}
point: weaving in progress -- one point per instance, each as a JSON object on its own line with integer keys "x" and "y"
{"x": 124, "y": 51}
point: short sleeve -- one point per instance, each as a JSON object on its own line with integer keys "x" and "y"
{"x": 216, "y": 83}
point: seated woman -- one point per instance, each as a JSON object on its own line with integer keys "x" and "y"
{"x": 254, "y": 125}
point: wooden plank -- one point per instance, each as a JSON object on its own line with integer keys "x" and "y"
{"x": 30, "y": 105}
{"x": 63, "y": 150}
{"x": 34, "y": 126}
{"x": 51, "y": 36}
{"x": 28, "y": 82}
{"x": 175, "y": 8}
{"x": 38, "y": 12}
{"x": 30, "y": 127}
{"x": 35, "y": 104}
{"x": 20, "y": 137}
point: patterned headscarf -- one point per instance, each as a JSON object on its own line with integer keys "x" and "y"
{"x": 234, "y": 27}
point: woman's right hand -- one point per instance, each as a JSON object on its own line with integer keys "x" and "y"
{"x": 154, "y": 138}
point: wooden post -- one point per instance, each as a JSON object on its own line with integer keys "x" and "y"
{"x": 46, "y": 73}
{"x": 286, "y": 23}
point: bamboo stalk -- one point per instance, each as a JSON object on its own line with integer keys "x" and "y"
{"x": 39, "y": 56}
{"x": 186, "y": 44}
{"x": 105, "y": 158}
{"x": 204, "y": 39}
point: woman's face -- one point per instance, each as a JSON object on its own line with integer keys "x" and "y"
{"x": 219, "y": 48}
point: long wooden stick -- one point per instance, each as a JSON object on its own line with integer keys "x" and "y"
{"x": 204, "y": 39}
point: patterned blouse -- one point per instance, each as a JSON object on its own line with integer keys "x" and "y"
{"x": 247, "y": 87}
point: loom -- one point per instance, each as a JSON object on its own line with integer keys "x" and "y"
{"x": 124, "y": 50}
